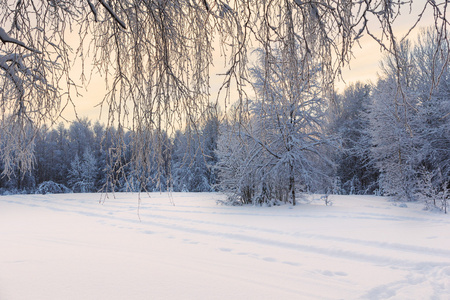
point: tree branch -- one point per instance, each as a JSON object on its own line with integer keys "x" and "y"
{"x": 112, "y": 13}
{"x": 5, "y": 38}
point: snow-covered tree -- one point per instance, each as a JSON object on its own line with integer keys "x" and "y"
{"x": 210, "y": 135}
{"x": 80, "y": 136}
{"x": 287, "y": 117}
{"x": 83, "y": 173}
{"x": 434, "y": 193}
{"x": 235, "y": 152}
{"x": 189, "y": 171}
{"x": 89, "y": 171}
{"x": 194, "y": 156}
{"x": 394, "y": 138}
{"x": 44, "y": 155}
{"x": 140, "y": 171}
{"x": 75, "y": 177}
{"x": 410, "y": 116}
{"x": 433, "y": 109}
{"x": 348, "y": 119}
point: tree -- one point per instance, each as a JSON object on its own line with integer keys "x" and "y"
{"x": 189, "y": 171}
{"x": 194, "y": 155}
{"x": 409, "y": 118}
{"x": 348, "y": 119}
{"x": 433, "y": 110}
{"x": 393, "y": 133}
{"x": 75, "y": 177}
{"x": 83, "y": 173}
{"x": 286, "y": 124}
{"x": 210, "y": 135}
{"x": 89, "y": 171}
{"x": 80, "y": 136}
{"x": 433, "y": 118}
{"x": 53, "y": 155}
{"x": 235, "y": 152}
{"x": 433, "y": 195}
{"x": 43, "y": 154}
{"x": 138, "y": 171}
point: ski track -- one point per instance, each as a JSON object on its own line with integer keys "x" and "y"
{"x": 230, "y": 229}
{"x": 186, "y": 226}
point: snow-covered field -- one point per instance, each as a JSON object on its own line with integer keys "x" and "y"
{"x": 71, "y": 247}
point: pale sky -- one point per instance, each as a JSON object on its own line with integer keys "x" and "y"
{"x": 366, "y": 62}
{"x": 363, "y": 67}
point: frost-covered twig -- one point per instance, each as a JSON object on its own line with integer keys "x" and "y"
{"x": 5, "y": 38}
{"x": 94, "y": 11}
{"x": 112, "y": 13}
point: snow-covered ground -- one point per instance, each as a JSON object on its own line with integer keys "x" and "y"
{"x": 71, "y": 247}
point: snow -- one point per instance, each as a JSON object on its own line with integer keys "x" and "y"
{"x": 70, "y": 246}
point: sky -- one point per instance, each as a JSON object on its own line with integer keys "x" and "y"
{"x": 366, "y": 62}
{"x": 363, "y": 67}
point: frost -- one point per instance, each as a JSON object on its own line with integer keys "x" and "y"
{"x": 111, "y": 12}
{"x": 94, "y": 11}
{"x": 5, "y": 38}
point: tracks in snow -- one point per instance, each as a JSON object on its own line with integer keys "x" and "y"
{"x": 243, "y": 225}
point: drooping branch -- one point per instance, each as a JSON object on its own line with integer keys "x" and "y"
{"x": 93, "y": 10}
{"x": 112, "y": 13}
{"x": 5, "y": 38}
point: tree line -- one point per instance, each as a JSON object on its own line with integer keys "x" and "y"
{"x": 389, "y": 138}
{"x": 81, "y": 158}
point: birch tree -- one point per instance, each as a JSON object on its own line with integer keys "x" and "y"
{"x": 286, "y": 130}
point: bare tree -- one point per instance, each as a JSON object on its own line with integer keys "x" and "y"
{"x": 156, "y": 54}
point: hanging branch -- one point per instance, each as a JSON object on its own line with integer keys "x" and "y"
{"x": 5, "y": 38}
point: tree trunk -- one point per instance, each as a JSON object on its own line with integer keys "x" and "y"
{"x": 292, "y": 183}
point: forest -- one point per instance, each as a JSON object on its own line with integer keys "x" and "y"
{"x": 387, "y": 138}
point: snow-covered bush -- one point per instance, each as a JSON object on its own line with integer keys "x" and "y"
{"x": 51, "y": 187}
{"x": 433, "y": 192}
{"x": 6, "y": 192}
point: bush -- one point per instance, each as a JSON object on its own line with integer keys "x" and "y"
{"x": 7, "y": 192}
{"x": 51, "y": 187}
{"x": 434, "y": 193}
